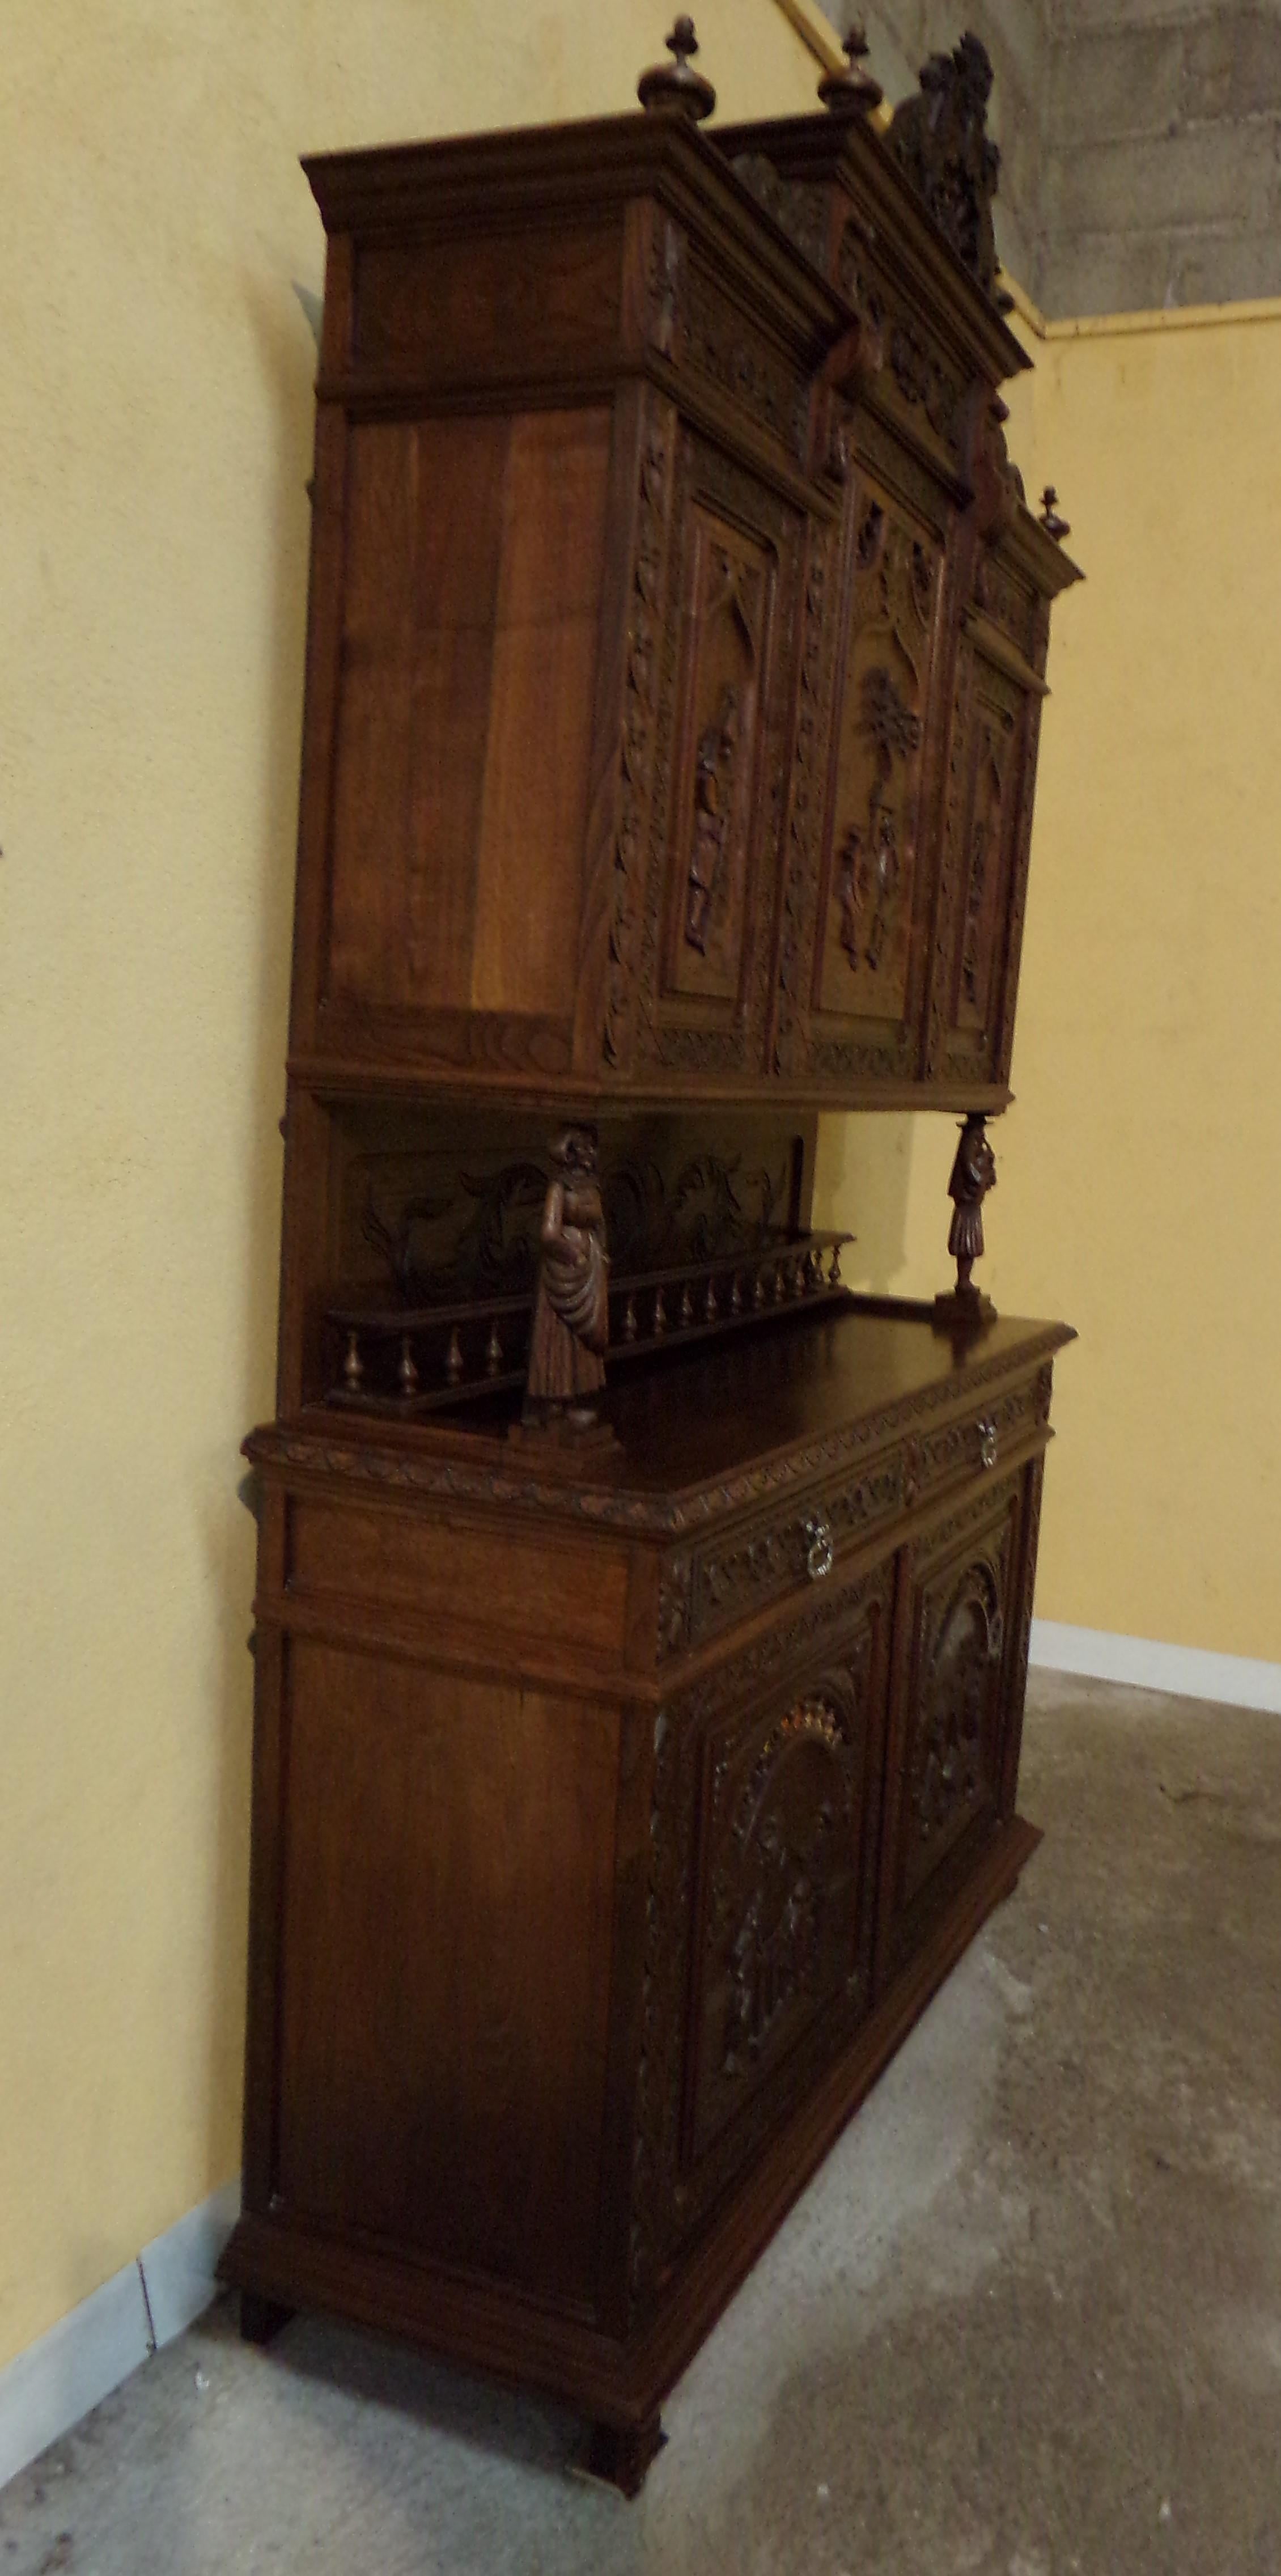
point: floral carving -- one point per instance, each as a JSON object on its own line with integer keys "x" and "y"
{"x": 800, "y": 892}
{"x": 799, "y": 211}
{"x": 637, "y": 748}
{"x": 720, "y": 342}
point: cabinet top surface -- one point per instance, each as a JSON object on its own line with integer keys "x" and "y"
{"x": 703, "y": 1431}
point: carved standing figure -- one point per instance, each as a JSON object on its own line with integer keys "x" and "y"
{"x": 713, "y": 797}
{"x": 973, "y": 1175}
{"x": 571, "y": 1306}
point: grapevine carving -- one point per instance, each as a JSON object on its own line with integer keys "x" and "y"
{"x": 805, "y": 810}
{"x": 645, "y": 623}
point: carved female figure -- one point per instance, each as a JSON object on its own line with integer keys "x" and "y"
{"x": 571, "y": 1306}
{"x": 973, "y": 1175}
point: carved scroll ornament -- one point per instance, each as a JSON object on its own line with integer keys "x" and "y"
{"x": 940, "y": 141}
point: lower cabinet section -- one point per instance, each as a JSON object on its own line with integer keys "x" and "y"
{"x": 560, "y": 1989}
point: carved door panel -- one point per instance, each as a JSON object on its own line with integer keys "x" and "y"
{"x": 980, "y": 921}
{"x": 957, "y": 1666}
{"x": 723, "y": 686}
{"x": 875, "y": 891}
{"x": 762, "y": 1901}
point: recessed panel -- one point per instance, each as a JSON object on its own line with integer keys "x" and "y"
{"x": 728, "y": 601}
{"x": 868, "y": 962}
{"x": 465, "y": 711}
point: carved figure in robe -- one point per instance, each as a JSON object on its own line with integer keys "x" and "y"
{"x": 571, "y": 1305}
{"x": 973, "y": 1175}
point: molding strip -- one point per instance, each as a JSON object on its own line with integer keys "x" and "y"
{"x": 102, "y": 2342}
{"x": 1185, "y": 1672}
{"x": 814, "y": 30}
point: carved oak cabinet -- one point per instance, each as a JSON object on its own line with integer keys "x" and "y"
{"x": 631, "y": 1767}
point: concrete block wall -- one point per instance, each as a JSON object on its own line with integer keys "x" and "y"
{"x": 1161, "y": 157}
{"x": 1140, "y": 141}
{"x": 1018, "y": 36}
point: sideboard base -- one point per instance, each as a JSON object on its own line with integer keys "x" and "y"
{"x": 279, "y": 2264}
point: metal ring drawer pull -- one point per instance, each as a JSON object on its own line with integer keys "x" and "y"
{"x": 821, "y": 1549}
{"x": 987, "y": 1444}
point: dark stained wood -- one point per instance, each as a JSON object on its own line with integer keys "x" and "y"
{"x": 261, "y": 2320}
{"x": 642, "y": 1622}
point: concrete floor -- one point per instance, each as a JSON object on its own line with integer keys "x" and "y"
{"x": 1026, "y": 2321}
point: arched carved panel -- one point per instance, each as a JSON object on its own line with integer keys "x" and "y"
{"x": 760, "y": 1914}
{"x": 953, "y": 1692}
{"x": 780, "y": 1917}
{"x": 869, "y": 952}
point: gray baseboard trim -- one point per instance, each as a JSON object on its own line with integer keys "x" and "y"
{"x": 1188, "y": 1672}
{"x": 88, "y": 2353}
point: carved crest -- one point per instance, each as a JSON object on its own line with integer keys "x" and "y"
{"x": 939, "y": 139}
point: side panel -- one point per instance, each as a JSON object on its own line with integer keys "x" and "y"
{"x": 474, "y": 551}
{"x": 447, "y": 1865}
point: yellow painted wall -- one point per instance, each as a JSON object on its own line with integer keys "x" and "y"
{"x": 155, "y": 411}
{"x": 1138, "y": 1170}
{"x": 155, "y": 425}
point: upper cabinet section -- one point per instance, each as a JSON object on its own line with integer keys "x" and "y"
{"x": 677, "y": 630}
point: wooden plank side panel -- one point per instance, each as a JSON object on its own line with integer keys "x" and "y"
{"x": 530, "y": 1583}
{"x": 537, "y": 767}
{"x": 488, "y": 305}
{"x": 445, "y": 1965}
{"x": 373, "y": 736}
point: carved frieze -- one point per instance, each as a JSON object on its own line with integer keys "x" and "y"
{"x": 799, "y": 210}
{"x": 728, "y": 1583}
{"x": 718, "y": 340}
{"x": 924, "y": 382}
{"x": 398, "y": 1471}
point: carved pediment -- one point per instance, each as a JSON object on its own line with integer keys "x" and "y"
{"x": 939, "y": 139}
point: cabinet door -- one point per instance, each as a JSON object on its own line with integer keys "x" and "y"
{"x": 991, "y": 772}
{"x": 761, "y": 1905}
{"x": 727, "y": 650}
{"x": 958, "y": 1671}
{"x": 859, "y": 910}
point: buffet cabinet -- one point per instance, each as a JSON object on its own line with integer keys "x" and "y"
{"x": 582, "y": 1924}
{"x": 642, "y": 1618}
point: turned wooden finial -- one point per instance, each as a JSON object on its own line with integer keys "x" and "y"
{"x": 1053, "y": 525}
{"x": 676, "y": 84}
{"x": 852, "y": 92}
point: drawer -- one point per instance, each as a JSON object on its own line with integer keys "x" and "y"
{"x": 713, "y": 1586}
